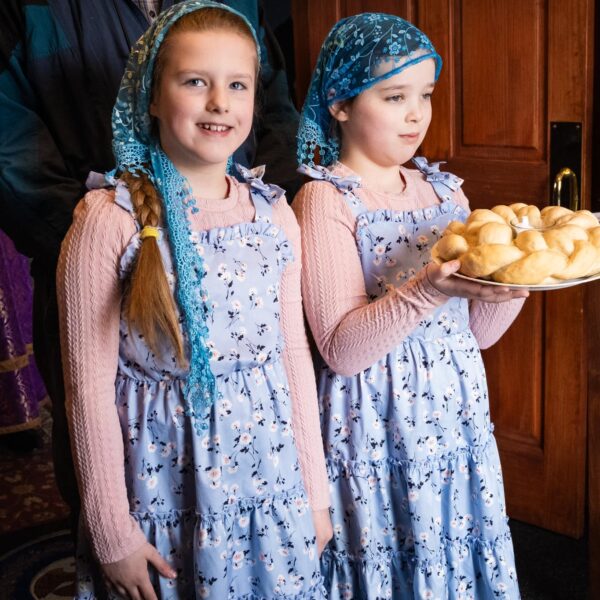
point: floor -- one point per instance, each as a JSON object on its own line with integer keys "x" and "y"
{"x": 549, "y": 566}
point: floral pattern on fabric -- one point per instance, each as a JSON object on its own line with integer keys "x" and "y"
{"x": 417, "y": 495}
{"x": 227, "y": 509}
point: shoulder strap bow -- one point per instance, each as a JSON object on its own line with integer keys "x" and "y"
{"x": 434, "y": 175}
{"x": 269, "y": 191}
{"x": 345, "y": 184}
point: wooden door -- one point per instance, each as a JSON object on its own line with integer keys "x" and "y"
{"x": 511, "y": 68}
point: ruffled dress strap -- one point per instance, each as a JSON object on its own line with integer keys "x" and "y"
{"x": 444, "y": 184}
{"x": 97, "y": 181}
{"x": 344, "y": 184}
{"x": 122, "y": 198}
{"x": 264, "y": 195}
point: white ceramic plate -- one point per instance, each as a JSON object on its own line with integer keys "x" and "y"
{"x": 542, "y": 287}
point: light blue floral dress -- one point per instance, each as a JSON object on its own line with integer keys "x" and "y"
{"x": 417, "y": 496}
{"x": 227, "y": 508}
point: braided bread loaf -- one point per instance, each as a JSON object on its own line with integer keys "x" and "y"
{"x": 551, "y": 245}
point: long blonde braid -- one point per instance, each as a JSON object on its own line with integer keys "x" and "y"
{"x": 149, "y": 303}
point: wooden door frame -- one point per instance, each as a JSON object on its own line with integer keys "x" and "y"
{"x": 592, "y": 313}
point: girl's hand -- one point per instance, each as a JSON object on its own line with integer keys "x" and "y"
{"x": 323, "y": 528}
{"x": 129, "y": 576}
{"x": 440, "y": 277}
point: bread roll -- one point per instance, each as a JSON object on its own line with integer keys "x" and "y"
{"x": 533, "y": 214}
{"x": 582, "y": 218}
{"x": 517, "y": 206}
{"x": 580, "y": 262}
{"x": 495, "y": 233}
{"x": 505, "y": 212}
{"x": 554, "y": 209}
{"x": 595, "y": 269}
{"x": 451, "y": 246}
{"x": 530, "y": 241}
{"x": 482, "y": 261}
{"x": 457, "y": 227}
{"x": 532, "y": 269}
{"x": 594, "y": 239}
{"x": 572, "y": 231}
{"x": 559, "y": 242}
{"x": 594, "y": 236}
{"x": 485, "y": 215}
{"x": 471, "y": 232}
{"x": 551, "y": 214}
{"x": 563, "y": 238}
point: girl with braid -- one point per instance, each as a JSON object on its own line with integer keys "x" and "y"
{"x": 193, "y": 417}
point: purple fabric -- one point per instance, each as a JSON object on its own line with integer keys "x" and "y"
{"x": 21, "y": 387}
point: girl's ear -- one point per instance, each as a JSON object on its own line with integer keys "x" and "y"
{"x": 340, "y": 111}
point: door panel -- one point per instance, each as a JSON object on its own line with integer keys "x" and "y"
{"x": 503, "y": 97}
{"x": 492, "y": 118}
{"x": 510, "y": 69}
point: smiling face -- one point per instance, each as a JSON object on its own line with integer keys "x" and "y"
{"x": 203, "y": 99}
{"x": 385, "y": 124}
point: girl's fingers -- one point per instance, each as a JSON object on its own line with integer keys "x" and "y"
{"x": 450, "y": 267}
{"x": 489, "y": 293}
{"x": 146, "y": 591}
{"x": 441, "y": 278}
{"x": 134, "y": 594}
{"x": 120, "y": 590}
{"x": 159, "y": 563}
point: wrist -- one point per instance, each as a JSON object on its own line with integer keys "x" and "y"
{"x": 429, "y": 289}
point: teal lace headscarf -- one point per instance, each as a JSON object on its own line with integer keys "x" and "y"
{"x": 359, "y": 52}
{"x": 137, "y": 148}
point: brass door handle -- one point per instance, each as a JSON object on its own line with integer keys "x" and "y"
{"x": 570, "y": 176}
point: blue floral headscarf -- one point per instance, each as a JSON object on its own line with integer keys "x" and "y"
{"x": 359, "y": 52}
{"x": 136, "y": 148}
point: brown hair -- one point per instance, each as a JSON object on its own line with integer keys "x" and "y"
{"x": 149, "y": 303}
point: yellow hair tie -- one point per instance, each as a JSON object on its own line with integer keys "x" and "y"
{"x": 149, "y": 231}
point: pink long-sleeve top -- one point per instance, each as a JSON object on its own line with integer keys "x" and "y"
{"x": 89, "y": 292}
{"x": 351, "y": 332}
